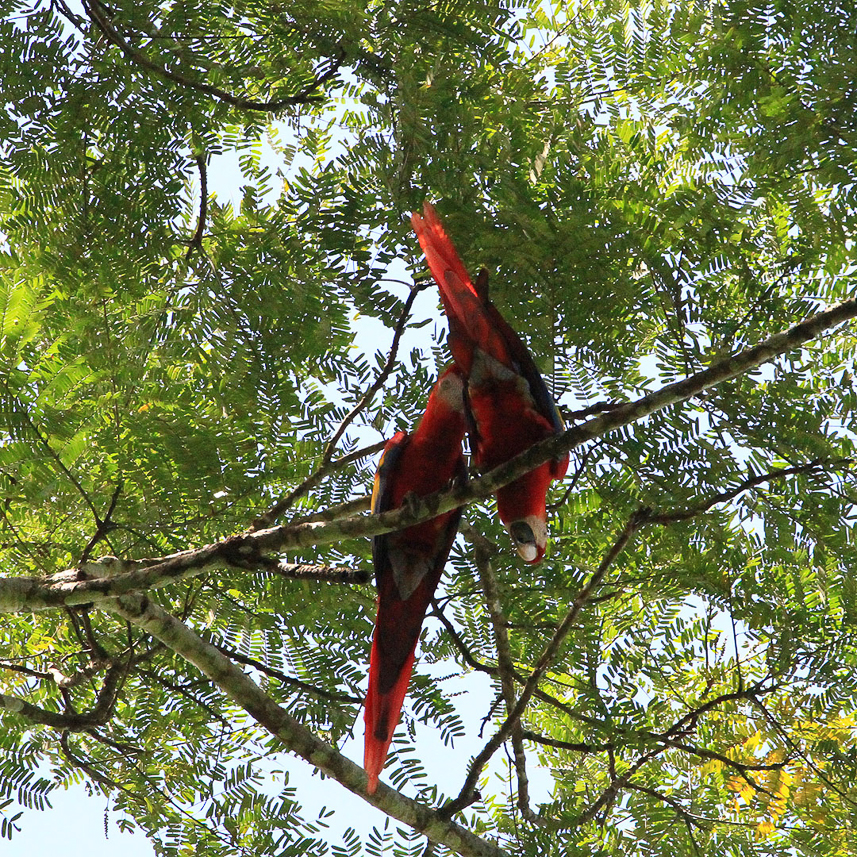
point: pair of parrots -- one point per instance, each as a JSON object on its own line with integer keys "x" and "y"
{"x": 494, "y": 392}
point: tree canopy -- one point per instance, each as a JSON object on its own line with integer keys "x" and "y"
{"x": 200, "y": 361}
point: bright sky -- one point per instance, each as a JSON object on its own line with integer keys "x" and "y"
{"x": 73, "y": 828}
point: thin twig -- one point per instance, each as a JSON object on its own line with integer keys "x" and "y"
{"x": 491, "y": 591}
{"x": 746, "y": 485}
{"x": 578, "y": 472}
{"x": 282, "y": 506}
{"x": 103, "y": 526}
{"x": 52, "y": 453}
{"x": 382, "y": 376}
{"x": 680, "y": 810}
{"x": 287, "y": 679}
{"x": 180, "y": 689}
{"x": 104, "y": 781}
{"x": 798, "y": 751}
{"x": 196, "y": 242}
{"x": 98, "y": 15}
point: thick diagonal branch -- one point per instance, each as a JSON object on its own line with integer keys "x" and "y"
{"x": 146, "y": 615}
{"x": 281, "y": 538}
{"x": 19, "y": 594}
{"x": 110, "y": 577}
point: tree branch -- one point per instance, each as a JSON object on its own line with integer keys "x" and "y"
{"x": 341, "y": 510}
{"x": 105, "y": 782}
{"x": 574, "y": 746}
{"x": 505, "y": 665}
{"x": 72, "y": 722}
{"x": 753, "y": 482}
{"x": 98, "y": 15}
{"x": 53, "y": 454}
{"x": 382, "y": 375}
{"x": 547, "y": 657}
{"x": 490, "y": 669}
{"x": 282, "y": 506}
{"x": 196, "y": 241}
{"x": 103, "y": 526}
{"x": 291, "y": 681}
{"x": 110, "y": 577}
{"x": 281, "y": 538}
{"x": 689, "y": 820}
{"x": 21, "y": 594}
{"x": 146, "y": 615}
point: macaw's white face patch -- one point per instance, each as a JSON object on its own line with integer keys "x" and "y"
{"x": 530, "y": 536}
{"x": 450, "y": 390}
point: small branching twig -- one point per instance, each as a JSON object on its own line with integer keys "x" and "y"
{"x": 291, "y": 681}
{"x": 104, "y": 781}
{"x": 102, "y": 525}
{"x": 677, "y": 515}
{"x": 43, "y": 441}
{"x": 798, "y": 751}
{"x": 382, "y": 375}
{"x": 685, "y": 724}
{"x": 690, "y": 820}
{"x": 99, "y": 16}
{"x": 182, "y": 690}
{"x": 71, "y": 721}
{"x": 578, "y": 472}
{"x": 196, "y": 241}
{"x": 282, "y": 506}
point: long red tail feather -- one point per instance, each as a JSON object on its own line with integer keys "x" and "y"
{"x": 461, "y": 301}
{"x": 382, "y": 714}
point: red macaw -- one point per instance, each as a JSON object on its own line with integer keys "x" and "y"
{"x": 510, "y": 405}
{"x": 409, "y": 563}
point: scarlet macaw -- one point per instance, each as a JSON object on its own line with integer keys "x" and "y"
{"x": 510, "y": 405}
{"x": 409, "y": 563}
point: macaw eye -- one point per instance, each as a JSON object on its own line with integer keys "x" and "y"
{"x": 522, "y": 533}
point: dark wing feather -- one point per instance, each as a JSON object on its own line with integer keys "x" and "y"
{"x": 526, "y": 366}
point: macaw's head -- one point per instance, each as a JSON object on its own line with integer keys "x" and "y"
{"x": 441, "y": 429}
{"x": 444, "y": 418}
{"x": 449, "y": 390}
{"x": 521, "y": 506}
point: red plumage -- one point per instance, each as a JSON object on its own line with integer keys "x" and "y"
{"x": 510, "y": 405}
{"x": 409, "y": 563}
